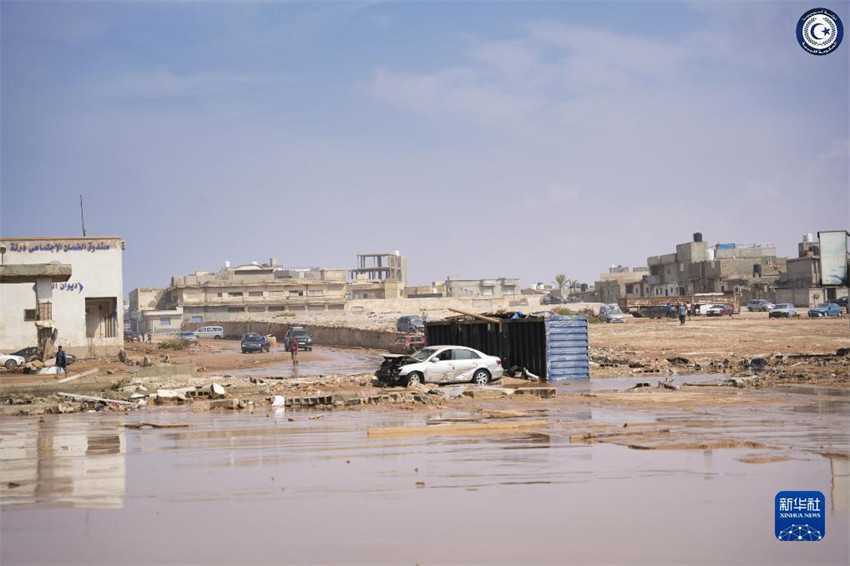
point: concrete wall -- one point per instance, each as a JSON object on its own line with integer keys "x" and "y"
{"x": 322, "y": 335}
{"x": 96, "y": 272}
{"x": 416, "y": 306}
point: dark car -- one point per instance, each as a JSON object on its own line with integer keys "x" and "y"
{"x": 32, "y": 353}
{"x": 553, "y": 300}
{"x": 407, "y": 344}
{"x": 411, "y": 323}
{"x": 824, "y": 310}
{"x": 253, "y": 342}
{"x": 130, "y": 336}
{"x": 301, "y": 336}
{"x": 841, "y": 302}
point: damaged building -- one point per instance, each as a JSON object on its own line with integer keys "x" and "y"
{"x": 86, "y": 310}
{"x": 698, "y": 267}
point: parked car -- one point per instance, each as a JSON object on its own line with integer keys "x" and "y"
{"x": 412, "y": 323}
{"x": 782, "y": 310}
{"x": 718, "y": 309}
{"x": 305, "y": 342}
{"x": 11, "y": 361}
{"x": 407, "y": 344}
{"x": 841, "y": 302}
{"x": 32, "y": 353}
{"x": 825, "y": 310}
{"x": 759, "y": 305}
{"x": 130, "y": 336}
{"x": 611, "y": 313}
{"x": 253, "y": 342}
{"x": 440, "y": 364}
{"x": 216, "y": 332}
{"x": 653, "y": 311}
{"x": 551, "y": 299}
{"x": 188, "y": 336}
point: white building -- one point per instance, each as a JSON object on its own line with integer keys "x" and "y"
{"x": 87, "y": 310}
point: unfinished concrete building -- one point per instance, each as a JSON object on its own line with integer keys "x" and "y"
{"x": 255, "y": 291}
{"x": 801, "y": 282}
{"x": 378, "y": 276}
{"x": 501, "y": 287}
{"x": 621, "y": 282}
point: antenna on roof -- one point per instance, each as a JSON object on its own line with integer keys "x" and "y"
{"x": 82, "y": 218}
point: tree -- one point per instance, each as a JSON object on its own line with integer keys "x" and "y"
{"x": 561, "y": 281}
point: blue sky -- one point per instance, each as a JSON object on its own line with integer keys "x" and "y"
{"x": 481, "y": 139}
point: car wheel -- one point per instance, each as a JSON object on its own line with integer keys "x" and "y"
{"x": 11, "y": 365}
{"x": 216, "y": 337}
{"x": 481, "y": 377}
{"x": 415, "y": 377}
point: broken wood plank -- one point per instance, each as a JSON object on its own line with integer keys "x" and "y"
{"x": 155, "y": 425}
{"x": 78, "y": 376}
{"x": 76, "y": 397}
{"x": 467, "y": 428}
{"x": 478, "y": 316}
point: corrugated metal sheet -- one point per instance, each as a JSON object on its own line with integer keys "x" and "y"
{"x": 567, "y": 351}
{"x": 554, "y": 348}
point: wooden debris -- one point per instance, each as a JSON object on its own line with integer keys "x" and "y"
{"x": 96, "y": 399}
{"x": 155, "y": 425}
{"x": 78, "y": 376}
{"x": 466, "y": 428}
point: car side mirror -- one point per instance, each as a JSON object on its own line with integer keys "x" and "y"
{"x": 433, "y": 360}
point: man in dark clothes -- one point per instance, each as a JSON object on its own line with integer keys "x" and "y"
{"x": 62, "y": 360}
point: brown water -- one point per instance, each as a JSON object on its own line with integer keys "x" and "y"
{"x": 242, "y": 488}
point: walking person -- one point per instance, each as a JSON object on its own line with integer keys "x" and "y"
{"x": 683, "y": 311}
{"x": 293, "y": 349}
{"x": 62, "y": 360}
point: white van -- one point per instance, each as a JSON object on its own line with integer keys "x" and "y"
{"x": 216, "y": 332}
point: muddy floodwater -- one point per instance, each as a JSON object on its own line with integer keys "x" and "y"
{"x": 259, "y": 488}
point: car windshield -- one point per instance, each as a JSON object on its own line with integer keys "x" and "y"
{"x": 822, "y": 306}
{"x": 614, "y": 309}
{"x": 424, "y": 354}
{"x": 299, "y": 333}
{"x": 783, "y": 306}
{"x": 252, "y": 337}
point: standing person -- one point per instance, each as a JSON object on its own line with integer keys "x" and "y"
{"x": 683, "y": 311}
{"x": 670, "y": 310}
{"x": 62, "y": 360}
{"x": 150, "y": 335}
{"x": 293, "y": 349}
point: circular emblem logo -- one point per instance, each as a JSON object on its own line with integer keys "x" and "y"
{"x": 820, "y": 31}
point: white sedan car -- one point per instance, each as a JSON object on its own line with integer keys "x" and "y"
{"x": 440, "y": 364}
{"x": 11, "y": 362}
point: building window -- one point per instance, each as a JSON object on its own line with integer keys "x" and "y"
{"x": 235, "y": 309}
{"x": 316, "y": 292}
{"x": 232, "y": 294}
{"x": 197, "y": 319}
{"x": 256, "y": 309}
{"x": 219, "y": 295}
{"x": 276, "y": 308}
{"x": 29, "y": 315}
{"x": 255, "y": 294}
{"x": 296, "y": 293}
{"x": 165, "y": 322}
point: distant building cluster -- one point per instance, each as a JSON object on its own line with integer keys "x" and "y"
{"x": 753, "y": 270}
{"x": 259, "y": 291}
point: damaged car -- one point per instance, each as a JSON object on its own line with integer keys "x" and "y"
{"x": 440, "y": 364}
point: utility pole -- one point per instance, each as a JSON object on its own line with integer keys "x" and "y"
{"x": 82, "y": 217}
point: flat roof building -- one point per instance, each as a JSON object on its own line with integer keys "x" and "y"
{"x": 86, "y": 310}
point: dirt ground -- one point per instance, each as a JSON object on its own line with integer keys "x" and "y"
{"x": 761, "y": 353}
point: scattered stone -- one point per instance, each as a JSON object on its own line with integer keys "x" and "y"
{"x": 678, "y": 361}
{"x": 541, "y": 392}
{"x": 122, "y": 356}
{"x": 146, "y": 362}
{"x": 217, "y": 391}
{"x": 110, "y": 372}
{"x": 232, "y": 404}
{"x": 487, "y": 392}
